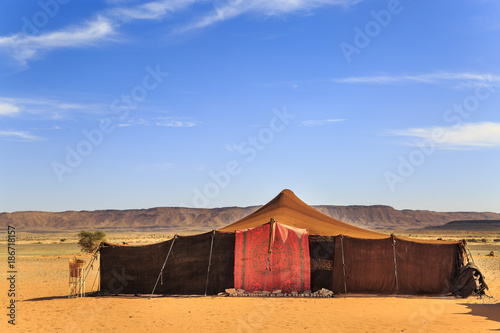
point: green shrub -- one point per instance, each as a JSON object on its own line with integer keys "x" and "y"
{"x": 90, "y": 241}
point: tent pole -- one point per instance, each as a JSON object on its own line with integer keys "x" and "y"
{"x": 343, "y": 265}
{"x": 269, "y": 250}
{"x": 163, "y": 267}
{"x": 470, "y": 258}
{"x": 271, "y": 234}
{"x": 209, "y": 261}
{"x": 95, "y": 279}
{"x": 395, "y": 265}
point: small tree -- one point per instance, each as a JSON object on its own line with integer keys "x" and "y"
{"x": 89, "y": 241}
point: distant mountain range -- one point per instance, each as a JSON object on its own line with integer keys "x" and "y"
{"x": 370, "y": 217}
{"x": 474, "y": 225}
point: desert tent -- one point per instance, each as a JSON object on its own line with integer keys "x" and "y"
{"x": 343, "y": 258}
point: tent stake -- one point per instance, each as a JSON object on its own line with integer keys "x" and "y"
{"x": 161, "y": 272}
{"x": 209, "y": 261}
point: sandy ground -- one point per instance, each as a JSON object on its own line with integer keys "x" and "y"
{"x": 43, "y": 305}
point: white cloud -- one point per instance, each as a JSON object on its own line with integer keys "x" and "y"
{"x": 173, "y": 122}
{"x": 46, "y": 108}
{"x": 319, "y": 122}
{"x": 25, "y": 47}
{"x": 20, "y": 136}
{"x": 228, "y": 11}
{"x": 133, "y": 122}
{"x": 234, "y": 8}
{"x": 465, "y": 136}
{"x": 106, "y": 22}
{"x": 159, "y": 121}
{"x": 53, "y": 128}
{"x": 424, "y": 78}
{"x": 151, "y": 10}
{"x": 8, "y": 109}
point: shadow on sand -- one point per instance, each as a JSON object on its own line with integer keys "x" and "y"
{"x": 488, "y": 311}
{"x": 48, "y": 298}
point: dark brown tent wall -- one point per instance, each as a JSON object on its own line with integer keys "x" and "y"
{"x": 368, "y": 266}
{"x": 186, "y": 270}
{"x": 135, "y": 269}
{"x": 426, "y": 268}
{"x": 131, "y": 269}
{"x": 322, "y": 250}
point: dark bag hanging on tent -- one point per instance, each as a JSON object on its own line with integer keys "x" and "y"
{"x": 469, "y": 281}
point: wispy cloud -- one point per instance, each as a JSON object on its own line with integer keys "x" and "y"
{"x": 26, "y": 47}
{"x": 319, "y": 122}
{"x": 171, "y": 121}
{"x": 134, "y": 122}
{"x": 105, "y": 24}
{"x": 7, "y": 109}
{"x": 153, "y": 10}
{"x": 46, "y": 108}
{"x": 465, "y": 136}
{"x": 19, "y": 136}
{"x": 52, "y": 128}
{"x": 174, "y": 122}
{"x": 422, "y": 78}
{"x": 234, "y": 8}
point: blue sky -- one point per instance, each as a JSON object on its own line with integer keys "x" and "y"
{"x": 131, "y": 104}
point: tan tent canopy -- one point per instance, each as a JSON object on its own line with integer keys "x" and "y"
{"x": 287, "y": 208}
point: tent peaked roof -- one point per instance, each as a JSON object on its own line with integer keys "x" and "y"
{"x": 288, "y": 209}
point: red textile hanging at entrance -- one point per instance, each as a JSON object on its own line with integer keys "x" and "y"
{"x": 288, "y": 268}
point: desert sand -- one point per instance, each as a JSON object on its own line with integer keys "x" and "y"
{"x": 43, "y": 306}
